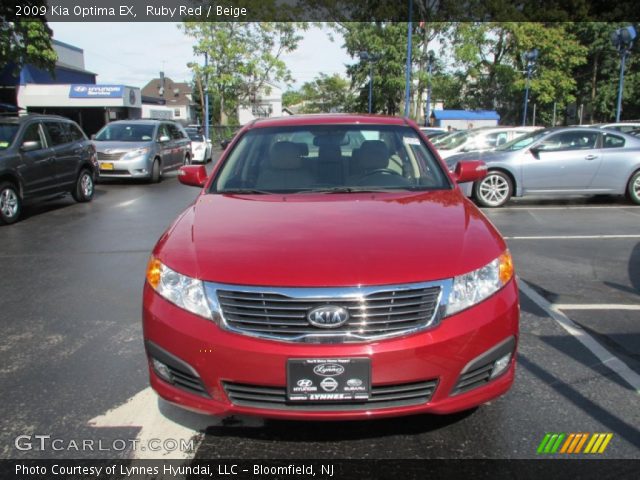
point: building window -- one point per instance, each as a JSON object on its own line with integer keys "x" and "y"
{"x": 176, "y": 112}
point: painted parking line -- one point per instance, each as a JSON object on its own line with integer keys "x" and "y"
{"x": 570, "y": 237}
{"x": 606, "y": 358}
{"x": 575, "y": 207}
{"x": 127, "y": 203}
{"x": 595, "y": 306}
{"x": 142, "y": 411}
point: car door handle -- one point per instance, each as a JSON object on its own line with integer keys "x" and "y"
{"x": 591, "y": 157}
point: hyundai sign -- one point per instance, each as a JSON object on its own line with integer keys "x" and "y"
{"x": 96, "y": 91}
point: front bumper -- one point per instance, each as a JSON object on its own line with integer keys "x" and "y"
{"x": 439, "y": 357}
{"x": 139, "y": 167}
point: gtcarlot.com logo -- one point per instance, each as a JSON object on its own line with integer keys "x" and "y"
{"x": 573, "y": 443}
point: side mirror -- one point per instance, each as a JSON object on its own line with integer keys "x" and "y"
{"x": 470, "y": 171}
{"x": 224, "y": 144}
{"x": 535, "y": 151}
{"x": 30, "y": 145}
{"x": 163, "y": 139}
{"x": 193, "y": 175}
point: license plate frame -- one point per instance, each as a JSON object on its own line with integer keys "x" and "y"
{"x": 328, "y": 379}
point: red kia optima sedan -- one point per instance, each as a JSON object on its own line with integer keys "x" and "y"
{"x": 331, "y": 269}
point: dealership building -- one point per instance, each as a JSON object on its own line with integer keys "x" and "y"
{"x": 71, "y": 91}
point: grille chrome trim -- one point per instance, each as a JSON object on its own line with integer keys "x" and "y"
{"x": 382, "y": 396}
{"x": 109, "y": 157}
{"x": 266, "y": 312}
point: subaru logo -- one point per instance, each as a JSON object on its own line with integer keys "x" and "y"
{"x": 328, "y": 316}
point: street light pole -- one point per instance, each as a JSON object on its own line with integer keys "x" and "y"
{"x": 427, "y": 110}
{"x": 370, "y": 86}
{"x": 206, "y": 96}
{"x": 622, "y": 40}
{"x": 407, "y": 73}
{"x": 530, "y": 58}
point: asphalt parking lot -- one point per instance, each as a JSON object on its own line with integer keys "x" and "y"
{"x": 72, "y": 364}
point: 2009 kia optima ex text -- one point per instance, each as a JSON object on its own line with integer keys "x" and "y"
{"x": 331, "y": 269}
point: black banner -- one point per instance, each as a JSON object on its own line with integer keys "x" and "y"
{"x": 542, "y": 469}
{"x": 321, "y": 10}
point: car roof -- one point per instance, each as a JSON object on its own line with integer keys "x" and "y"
{"x": 327, "y": 119}
{"x": 18, "y": 119}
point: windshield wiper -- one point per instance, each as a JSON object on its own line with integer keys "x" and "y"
{"x": 349, "y": 190}
{"x": 245, "y": 191}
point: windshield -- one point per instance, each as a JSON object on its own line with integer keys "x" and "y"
{"x": 330, "y": 158}
{"x": 195, "y": 137}
{"x": 452, "y": 141}
{"x": 126, "y": 132}
{"x": 522, "y": 142}
{"x": 7, "y": 134}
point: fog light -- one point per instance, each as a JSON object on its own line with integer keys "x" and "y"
{"x": 162, "y": 370}
{"x": 500, "y": 365}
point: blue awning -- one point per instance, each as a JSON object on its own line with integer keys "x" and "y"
{"x": 465, "y": 115}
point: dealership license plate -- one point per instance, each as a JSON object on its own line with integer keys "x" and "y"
{"x": 106, "y": 166}
{"x": 327, "y": 380}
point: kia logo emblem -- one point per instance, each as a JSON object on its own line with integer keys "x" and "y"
{"x": 328, "y": 316}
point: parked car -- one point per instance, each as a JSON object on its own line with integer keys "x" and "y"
{"x": 558, "y": 161}
{"x": 330, "y": 268}
{"x": 433, "y": 132}
{"x": 43, "y": 156}
{"x": 624, "y": 127}
{"x": 479, "y": 139}
{"x": 142, "y": 149}
{"x": 200, "y": 146}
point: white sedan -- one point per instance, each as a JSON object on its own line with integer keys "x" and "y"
{"x": 200, "y": 147}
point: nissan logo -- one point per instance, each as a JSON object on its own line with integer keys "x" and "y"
{"x": 328, "y": 316}
{"x": 329, "y": 384}
{"x": 328, "y": 369}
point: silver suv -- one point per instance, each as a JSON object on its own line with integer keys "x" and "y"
{"x": 141, "y": 149}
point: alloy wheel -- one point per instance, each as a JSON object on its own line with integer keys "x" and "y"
{"x": 9, "y": 203}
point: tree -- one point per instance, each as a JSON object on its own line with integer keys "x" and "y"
{"x": 25, "y": 42}
{"x": 242, "y": 58}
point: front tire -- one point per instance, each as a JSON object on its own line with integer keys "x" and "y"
{"x": 633, "y": 188}
{"x": 10, "y": 203}
{"x": 155, "y": 172}
{"x": 84, "y": 188}
{"x": 494, "y": 190}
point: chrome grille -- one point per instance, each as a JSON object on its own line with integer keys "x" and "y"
{"x": 110, "y": 157}
{"x": 374, "y": 312}
{"x": 383, "y": 396}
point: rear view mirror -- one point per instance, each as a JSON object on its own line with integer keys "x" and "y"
{"x": 470, "y": 171}
{"x": 93, "y": 136}
{"x": 30, "y": 145}
{"x": 193, "y": 175}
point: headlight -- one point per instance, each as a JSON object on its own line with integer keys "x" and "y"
{"x": 136, "y": 153}
{"x": 474, "y": 287}
{"x": 183, "y": 291}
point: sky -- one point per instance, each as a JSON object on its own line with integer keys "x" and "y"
{"x": 134, "y": 53}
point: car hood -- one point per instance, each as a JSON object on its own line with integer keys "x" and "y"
{"x": 119, "y": 146}
{"x": 329, "y": 239}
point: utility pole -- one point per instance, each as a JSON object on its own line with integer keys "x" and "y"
{"x": 407, "y": 74}
{"x": 206, "y": 95}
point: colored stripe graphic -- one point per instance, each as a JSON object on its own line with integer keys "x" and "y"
{"x": 572, "y": 443}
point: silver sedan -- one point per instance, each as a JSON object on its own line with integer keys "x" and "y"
{"x": 558, "y": 161}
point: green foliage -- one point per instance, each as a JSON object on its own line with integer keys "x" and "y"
{"x": 243, "y": 58}
{"x": 25, "y": 42}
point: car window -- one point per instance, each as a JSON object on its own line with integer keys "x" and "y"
{"x": 280, "y": 159}
{"x": 175, "y": 132}
{"x": 575, "y": 140}
{"x": 495, "y": 139}
{"x": 613, "y": 141}
{"x": 33, "y": 134}
{"x": 126, "y": 132}
{"x": 74, "y": 132}
{"x": 8, "y": 132}
{"x": 163, "y": 131}
{"x": 57, "y": 133}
